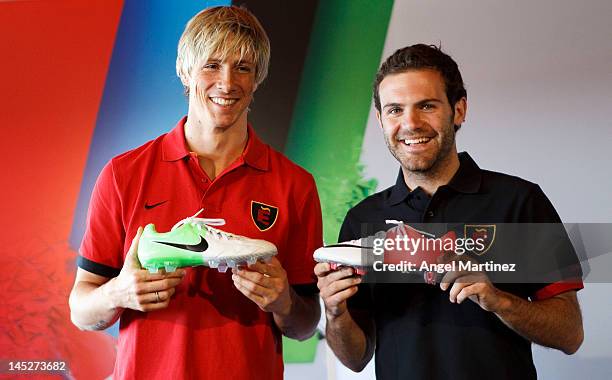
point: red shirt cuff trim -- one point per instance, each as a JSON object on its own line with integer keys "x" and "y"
{"x": 557, "y": 288}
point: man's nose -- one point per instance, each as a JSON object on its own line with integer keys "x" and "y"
{"x": 411, "y": 119}
{"x": 225, "y": 80}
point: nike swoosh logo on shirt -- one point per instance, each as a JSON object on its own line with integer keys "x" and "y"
{"x": 148, "y": 206}
{"x": 200, "y": 247}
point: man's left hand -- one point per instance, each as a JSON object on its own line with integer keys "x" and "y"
{"x": 473, "y": 285}
{"x": 265, "y": 284}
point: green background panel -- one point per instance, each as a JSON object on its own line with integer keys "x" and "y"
{"x": 333, "y": 103}
{"x": 331, "y": 113}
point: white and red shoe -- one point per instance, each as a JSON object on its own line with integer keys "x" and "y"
{"x": 359, "y": 254}
{"x": 353, "y": 253}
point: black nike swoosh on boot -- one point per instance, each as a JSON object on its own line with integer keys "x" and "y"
{"x": 148, "y": 207}
{"x": 348, "y": 246}
{"x": 200, "y": 247}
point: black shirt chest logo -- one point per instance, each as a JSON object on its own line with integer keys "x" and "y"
{"x": 263, "y": 215}
{"x": 483, "y": 234}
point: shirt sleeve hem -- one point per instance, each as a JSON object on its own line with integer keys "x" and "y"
{"x": 556, "y": 288}
{"x": 97, "y": 268}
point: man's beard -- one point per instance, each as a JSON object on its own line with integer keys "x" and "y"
{"x": 423, "y": 165}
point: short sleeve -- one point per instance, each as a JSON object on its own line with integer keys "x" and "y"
{"x": 306, "y": 236}
{"x": 556, "y": 252}
{"x": 349, "y": 229}
{"x": 101, "y": 250}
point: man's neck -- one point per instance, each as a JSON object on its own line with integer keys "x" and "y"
{"x": 217, "y": 148}
{"x": 439, "y": 175}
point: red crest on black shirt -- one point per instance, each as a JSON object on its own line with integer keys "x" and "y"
{"x": 263, "y": 215}
{"x": 486, "y": 232}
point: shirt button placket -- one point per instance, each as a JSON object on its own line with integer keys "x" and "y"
{"x": 427, "y": 216}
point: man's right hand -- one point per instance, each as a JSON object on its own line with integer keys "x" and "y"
{"x": 349, "y": 334}
{"x": 336, "y": 286}
{"x": 138, "y": 289}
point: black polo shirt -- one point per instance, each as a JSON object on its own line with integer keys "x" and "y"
{"x": 422, "y": 335}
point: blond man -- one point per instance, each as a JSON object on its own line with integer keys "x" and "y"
{"x": 197, "y": 322}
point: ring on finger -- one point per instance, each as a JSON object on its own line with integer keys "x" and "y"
{"x": 157, "y": 294}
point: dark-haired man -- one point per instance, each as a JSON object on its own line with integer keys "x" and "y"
{"x": 467, "y": 327}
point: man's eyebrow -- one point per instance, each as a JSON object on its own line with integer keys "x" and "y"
{"x": 217, "y": 60}
{"x": 429, "y": 100}
{"x": 392, "y": 105}
{"x": 419, "y": 103}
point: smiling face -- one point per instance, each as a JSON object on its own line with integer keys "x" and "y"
{"x": 220, "y": 91}
{"x": 417, "y": 119}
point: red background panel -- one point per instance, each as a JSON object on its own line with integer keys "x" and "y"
{"x": 54, "y": 60}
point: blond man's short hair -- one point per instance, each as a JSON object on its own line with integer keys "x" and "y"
{"x": 223, "y": 31}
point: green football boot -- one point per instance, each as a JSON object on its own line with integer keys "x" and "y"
{"x": 193, "y": 242}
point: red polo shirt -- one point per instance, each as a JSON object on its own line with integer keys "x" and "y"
{"x": 210, "y": 330}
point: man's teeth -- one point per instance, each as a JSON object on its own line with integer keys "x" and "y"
{"x": 416, "y": 141}
{"x": 223, "y": 101}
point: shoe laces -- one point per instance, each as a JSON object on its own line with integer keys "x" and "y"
{"x": 206, "y": 224}
{"x": 402, "y": 229}
{"x": 353, "y": 242}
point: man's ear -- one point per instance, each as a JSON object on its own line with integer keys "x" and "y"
{"x": 378, "y": 118}
{"x": 460, "y": 111}
{"x": 184, "y": 80}
{"x": 183, "y": 76}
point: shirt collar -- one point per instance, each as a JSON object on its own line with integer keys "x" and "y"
{"x": 256, "y": 152}
{"x": 468, "y": 177}
{"x": 466, "y": 180}
{"x": 174, "y": 147}
{"x": 400, "y": 191}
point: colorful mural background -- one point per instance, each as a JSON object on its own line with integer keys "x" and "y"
{"x": 83, "y": 83}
